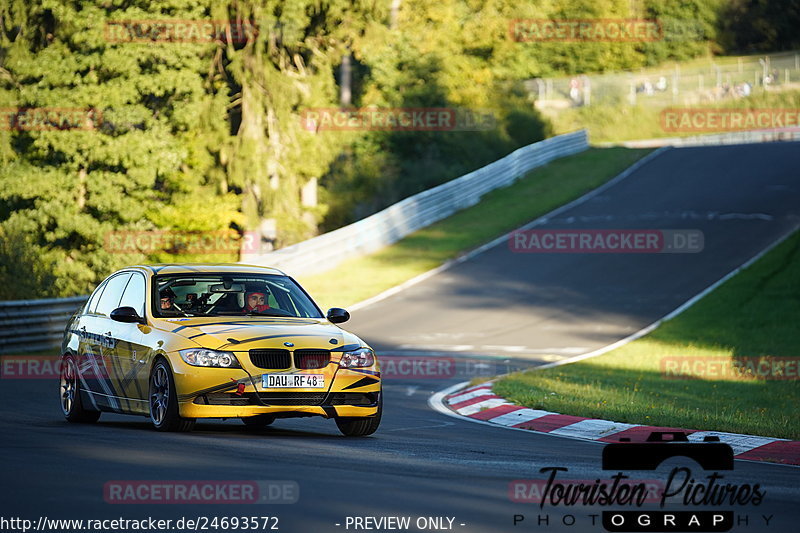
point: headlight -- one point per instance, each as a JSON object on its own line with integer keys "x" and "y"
{"x": 357, "y": 358}
{"x": 204, "y": 357}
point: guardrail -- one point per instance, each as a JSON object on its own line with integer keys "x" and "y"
{"x": 415, "y": 212}
{"x": 33, "y": 325}
{"x": 713, "y": 139}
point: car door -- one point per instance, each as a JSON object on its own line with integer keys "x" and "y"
{"x": 130, "y": 353}
{"x": 88, "y": 351}
{"x": 99, "y": 355}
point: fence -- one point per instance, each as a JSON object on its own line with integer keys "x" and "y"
{"x": 32, "y": 325}
{"x": 712, "y": 81}
{"x": 415, "y": 212}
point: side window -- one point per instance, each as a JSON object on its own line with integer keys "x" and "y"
{"x": 112, "y": 293}
{"x": 94, "y": 298}
{"x": 134, "y": 294}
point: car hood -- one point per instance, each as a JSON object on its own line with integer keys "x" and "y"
{"x": 246, "y": 333}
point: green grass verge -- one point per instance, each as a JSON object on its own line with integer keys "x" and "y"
{"x": 752, "y": 315}
{"x": 499, "y": 211}
{"x": 623, "y": 122}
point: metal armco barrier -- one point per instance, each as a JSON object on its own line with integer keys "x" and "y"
{"x": 32, "y": 325}
{"x": 416, "y": 212}
{"x": 714, "y": 139}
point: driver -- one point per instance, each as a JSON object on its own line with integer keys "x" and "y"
{"x": 256, "y": 301}
{"x": 167, "y": 297}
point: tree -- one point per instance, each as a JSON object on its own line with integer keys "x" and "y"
{"x": 141, "y": 159}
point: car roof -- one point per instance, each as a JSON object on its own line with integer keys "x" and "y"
{"x": 185, "y": 268}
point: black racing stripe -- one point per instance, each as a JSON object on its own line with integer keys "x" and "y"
{"x": 346, "y": 348}
{"x": 254, "y": 339}
{"x": 217, "y": 388}
{"x": 363, "y": 382}
{"x": 363, "y": 371}
{"x": 226, "y": 323}
{"x": 330, "y": 412}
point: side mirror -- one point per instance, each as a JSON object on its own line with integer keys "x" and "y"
{"x": 128, "y": 315}
{"x": 337, "y": 315}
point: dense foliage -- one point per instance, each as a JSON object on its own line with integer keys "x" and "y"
{"x": 205, "y": 136}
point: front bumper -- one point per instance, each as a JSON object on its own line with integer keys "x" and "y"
{"x": 236, "y": 393}
{"x": 192, "y": 410}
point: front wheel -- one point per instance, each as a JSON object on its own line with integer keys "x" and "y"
{"x": 361, "y": 426}
{"x": 70, "y": 387}
{"x": 164, "y": 401}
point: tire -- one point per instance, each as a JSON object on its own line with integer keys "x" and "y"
{"x": 163, "y": 400}
{"x": 361, "y": 426}
{"x": 258, "y": 421}
{"x": 70, "y": 387}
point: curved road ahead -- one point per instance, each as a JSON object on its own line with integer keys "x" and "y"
{"x": 526, "y": 308}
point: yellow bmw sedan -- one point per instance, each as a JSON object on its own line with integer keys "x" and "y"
{"x": 180, "y": 342}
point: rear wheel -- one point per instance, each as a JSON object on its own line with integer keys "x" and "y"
{"x": 164, "y": 401}
{"x": 258, "y": 421}
{"x": 70, "y": 387}
{"x": 361, "y": 426}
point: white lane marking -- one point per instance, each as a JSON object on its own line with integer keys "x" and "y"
{"x": 740, "y": 443}
{"x": 683, "y": 307}
{"x": 442, "y": 424}
{"x": 745, "y": 216}
{"x": 504, "y": 238}
{"x": 519, "y": 416}
{"x": 526, "y": 349}
{"x": 439, "y": 347}
{"x": 592, "y": 429}
{"x": 470, "y": 395}
{"x": 663, "y": 215}
{"x": 411, "y": 390}
{"x": 482, "y": 406}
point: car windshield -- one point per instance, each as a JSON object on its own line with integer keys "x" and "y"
{"x": 230, "y": 295}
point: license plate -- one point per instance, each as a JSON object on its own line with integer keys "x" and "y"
{"x": 293, "y": 381}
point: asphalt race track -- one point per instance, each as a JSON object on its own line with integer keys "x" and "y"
{"x": 524, "y": 308}
{"x": 537, "y": 305}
